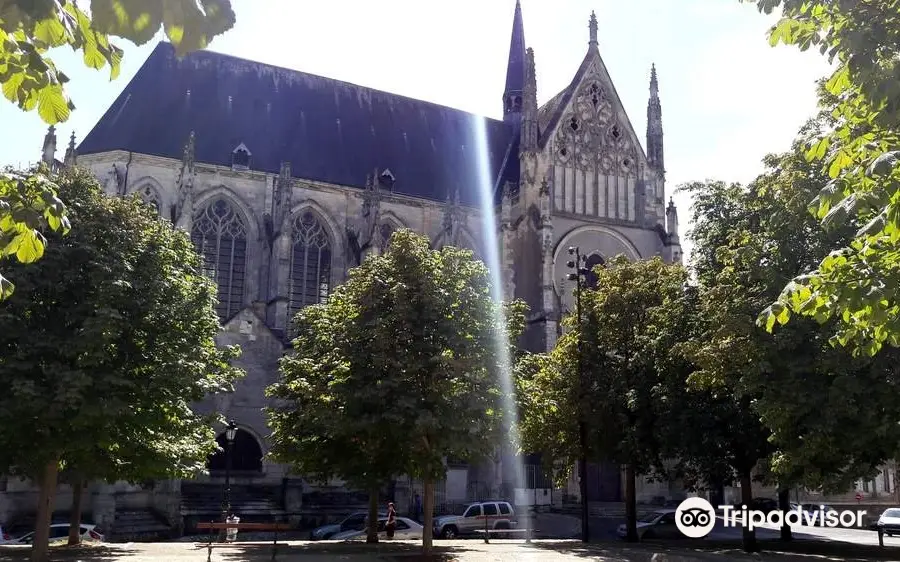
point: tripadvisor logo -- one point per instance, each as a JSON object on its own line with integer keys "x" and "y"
{"x": 696, "y": 517}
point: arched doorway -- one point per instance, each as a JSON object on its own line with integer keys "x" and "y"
{"x": 246, "y": 454}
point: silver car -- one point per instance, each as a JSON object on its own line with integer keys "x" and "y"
{"x": 476, "y": 517}
{"x": 353, "y": 522}
{"x": 656, "y": 524}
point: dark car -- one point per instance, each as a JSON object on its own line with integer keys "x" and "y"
{"x": 765, "y": 505}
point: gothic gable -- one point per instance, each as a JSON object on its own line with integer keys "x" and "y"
{"x": 587, "y": 121}
{"x": 597, "y": 166}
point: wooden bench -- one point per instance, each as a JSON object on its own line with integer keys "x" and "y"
{"x": 262, "y": 527}
{"x": 487, "y": 533}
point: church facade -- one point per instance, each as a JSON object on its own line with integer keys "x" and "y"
{"x": 287, "y": 180}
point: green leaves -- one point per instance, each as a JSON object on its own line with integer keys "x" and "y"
{"x": 759, "y": 249}
{"x": 858, "y": 150}
{"x": 629, "y": 330}
{"x": 398, "y": 370}
{"x": 28, "y": 204}
{"x": 28, "y": 30}
{"x": 188, "y": 24}
{"x": 30, "y": 79}
{"x": 107, "y": 342}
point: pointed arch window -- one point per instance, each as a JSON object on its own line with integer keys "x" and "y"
{"x": 149, "y": 196}
{"x": 310, "y": 278}
{"x": 220, "y": 235}
{"x": 385, "y": 231}
{"x": 593, "y": 260}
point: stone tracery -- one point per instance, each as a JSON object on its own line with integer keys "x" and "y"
{"x": 310, "y": 263}
{"x": 590, "y": 135}
{"x": 150, "y": 196}
{"x": 220, "y": 235}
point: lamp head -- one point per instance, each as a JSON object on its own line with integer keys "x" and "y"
{"x": 231, "y": 431}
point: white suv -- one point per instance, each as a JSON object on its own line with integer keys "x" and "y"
{"x": 477, "y": 516}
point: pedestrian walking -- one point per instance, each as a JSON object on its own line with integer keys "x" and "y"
{"x": 391, "y": 521}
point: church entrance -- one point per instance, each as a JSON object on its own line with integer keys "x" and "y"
{"x": 604, "y": 482}
{"x": 246, "y": 454}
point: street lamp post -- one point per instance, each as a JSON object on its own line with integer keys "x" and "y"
{"x": 578, "y": 275}
{"x": 230, "y": 432}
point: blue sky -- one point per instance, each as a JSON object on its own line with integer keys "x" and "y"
{"x": 728, "y": 98}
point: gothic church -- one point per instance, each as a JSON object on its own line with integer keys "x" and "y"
{"x": 286, "y": 180}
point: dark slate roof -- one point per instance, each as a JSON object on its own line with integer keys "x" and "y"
{"x": 329, "y": 130}
{"x": 515, "y": 71}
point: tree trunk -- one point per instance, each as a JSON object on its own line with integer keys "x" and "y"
{"x": 716, "y": 493}
{"x": 428, "y": 515}
{"x": 40, "y": 548}
{"x": 747, "y": 499}
{"x": 372, "y": 520}
{"x": 630, "y": 504}
{"x": 75, "y": 516}
{"x": 784, "y": 504}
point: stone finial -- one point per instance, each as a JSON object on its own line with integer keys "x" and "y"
{"x": 283, "y": 196}
{"x": 182, "y": 211}
{"x": 48, "y": 155}
{"x": 593, "y": 28}
{"x": 71, "y": 152}
{"x": 654, "y": 83}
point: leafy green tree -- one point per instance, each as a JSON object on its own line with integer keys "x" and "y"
{"x": 727, "y": 347}
{"x": 837, "y": 434}
{"x": 750, "y": 242}
{"x": 103, "y": 353}
{"x": 857, "y": 282}
{"x": 398, "y": 370}
{"x": 28, "y": 203}
{"x": 29, "y": 78}
{"x": 622, "y": 322}
{"x": 333, "y": 416}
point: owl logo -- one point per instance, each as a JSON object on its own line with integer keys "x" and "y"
{"x": 695, "y": 518}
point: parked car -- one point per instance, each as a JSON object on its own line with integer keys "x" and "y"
{"x": 812, "y": 510}
{"x": 499, "y": 515}
{"x": 353, "y": 522}
{"x": 766, "y": 505}
{"x": 60, "y": 531}
{"x": 889, "y": 522}
{"x": 406, "y": 529}
{"x": 659, "y": 524}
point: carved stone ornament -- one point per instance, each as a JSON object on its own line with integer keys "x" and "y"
{"x": 452, "y": 221}
{"x": 590, "y": 137}
{"x": 546, "y": 242}
{"x": 529, "y": 168}
{"x": 115, "y": 180}
{"x": 361, "y": 235}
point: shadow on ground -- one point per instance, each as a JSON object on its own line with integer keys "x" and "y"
{"x": 678, "y": 551}
{"x": 387, "y": 551}
{"x": 94, "y": 553}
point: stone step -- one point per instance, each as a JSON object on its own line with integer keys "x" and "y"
{"x": 139, "y": 526}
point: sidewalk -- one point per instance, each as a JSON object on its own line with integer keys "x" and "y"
{"x": 448, "y": 551}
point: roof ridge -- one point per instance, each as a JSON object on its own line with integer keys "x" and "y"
{"x": 207, "y": 52}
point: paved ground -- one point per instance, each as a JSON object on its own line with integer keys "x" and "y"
{"x": 461, "y": 551}
{"x": 813, "y": 544}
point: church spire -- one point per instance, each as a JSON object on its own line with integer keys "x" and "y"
{"x": 515, "y": 70}
{"x": 654, "y": 125}
{"x": 593, "y": 27}
{"x": 529, "y": 137}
